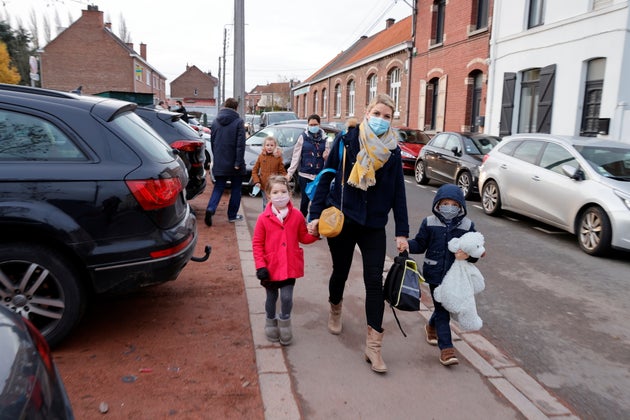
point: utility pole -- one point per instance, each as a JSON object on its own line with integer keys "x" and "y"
{"x": 219, "y": 102}
{"x": 223, "y": 77}
{"x": 239, "y": 54}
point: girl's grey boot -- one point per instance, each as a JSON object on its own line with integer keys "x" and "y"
{"x": 271, "y": 330}
{"x": 286, "y": 336}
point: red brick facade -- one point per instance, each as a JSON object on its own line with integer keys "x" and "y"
{"x": 443, "y": 86}
{"x": 89, "y": 55}
{"x": 194, "y": 86}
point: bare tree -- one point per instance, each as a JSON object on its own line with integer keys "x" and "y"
{"x": 58, "y": 24}
{"x": 123, "y": 32}
{"x": 47, "y": 29}
{"x": 34, "y": 28}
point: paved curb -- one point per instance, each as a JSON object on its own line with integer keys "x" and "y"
{"x": 526, "y": 394}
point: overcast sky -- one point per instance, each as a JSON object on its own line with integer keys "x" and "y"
{"x": 283, "y": 38}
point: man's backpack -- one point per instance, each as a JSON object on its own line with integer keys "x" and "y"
{"x": 402, "y": 286}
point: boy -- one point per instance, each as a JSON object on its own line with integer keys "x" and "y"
{"x": 447, "y": 222}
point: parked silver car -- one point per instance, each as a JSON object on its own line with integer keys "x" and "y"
{"x": 578, "y": 184}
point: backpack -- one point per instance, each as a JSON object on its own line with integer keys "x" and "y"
{"x": 402, "y": 286}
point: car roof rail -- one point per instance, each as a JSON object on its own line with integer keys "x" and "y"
{"x": 36, "y": 91}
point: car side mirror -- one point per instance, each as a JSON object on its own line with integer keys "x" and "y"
{"x": 456, "y": 151}
{"x": 573, "y": 173}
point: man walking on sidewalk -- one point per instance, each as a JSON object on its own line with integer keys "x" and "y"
{"x": 228, "y": 148}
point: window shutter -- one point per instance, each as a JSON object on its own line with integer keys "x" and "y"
{"x": 545, "y": 104}
{"x": 507, "y": 104}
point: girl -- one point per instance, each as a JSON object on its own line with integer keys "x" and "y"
{"x": 278, "y": 257}
{"x": 269, "y": 163}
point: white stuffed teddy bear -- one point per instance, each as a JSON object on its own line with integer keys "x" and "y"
{"x": 462, "y": 281}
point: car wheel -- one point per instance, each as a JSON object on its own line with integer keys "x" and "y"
{"x": 419, "y": 174}
{"x": 42, "y": 286}
{"x": 594, "y": 231}
{"x": 464, "y": 182}
{"x": 491, "y": 198}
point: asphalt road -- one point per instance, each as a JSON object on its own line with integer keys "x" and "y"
{"x": 561, "y": 313}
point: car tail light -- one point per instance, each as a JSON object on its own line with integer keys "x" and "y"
{"x": 172, "y": 250}
{"x": 187, "y": 145}
{"x": 154, "y": 194}
{"x": 196, "y": 128}
{"x": 41, "y": 344}
{"x": 485, "y": 157}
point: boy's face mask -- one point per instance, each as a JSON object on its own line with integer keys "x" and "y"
{"x": 448, "y": 211}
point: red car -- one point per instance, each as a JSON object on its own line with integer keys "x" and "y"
{"x": 411, "y": 140}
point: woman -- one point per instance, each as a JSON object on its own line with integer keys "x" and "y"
{"x": 373, "y": 184}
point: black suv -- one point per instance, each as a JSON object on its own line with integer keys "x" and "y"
{"x": 186, "y": 140}
{"x": 91, "y": 201}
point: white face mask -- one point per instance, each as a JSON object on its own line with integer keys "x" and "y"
{"x": 281, "y": 201}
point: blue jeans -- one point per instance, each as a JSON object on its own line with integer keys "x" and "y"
{"x": 235, "y": 194}
{"x": 372, "y": 243}
{"x": 441, "y": 321}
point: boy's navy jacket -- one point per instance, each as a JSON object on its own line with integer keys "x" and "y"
{"x": 435, "y": 232}
{"x": 368, "y": 208}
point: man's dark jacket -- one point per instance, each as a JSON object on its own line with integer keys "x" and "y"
{"x": 228, "y": 143}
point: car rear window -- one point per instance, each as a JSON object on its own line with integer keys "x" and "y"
{"x": 140, "y": 136}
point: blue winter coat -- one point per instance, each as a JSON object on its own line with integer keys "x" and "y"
{"x": 435, "y": 232}
{"x": 367, "y": 208}
{"x": 228, "y": 143}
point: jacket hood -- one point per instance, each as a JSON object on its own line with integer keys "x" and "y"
{"x": 454, "y": 193}
{"x": 226, "y": 116}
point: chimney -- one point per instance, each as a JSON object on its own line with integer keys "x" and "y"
{"x": 389, "y": 22}
{"x": 108, "y": 25}
{"x": 143, "y": 50}
{"x": 92, "y": 7}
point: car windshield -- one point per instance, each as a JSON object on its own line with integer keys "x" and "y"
{"x": 479, "y": 145}
{"x": 413, "y": 136}
{"x": 274, "y": 118}
{"x": 286, "y": 136}
{"x": 612, "y": 162}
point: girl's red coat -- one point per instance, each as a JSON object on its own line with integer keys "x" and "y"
{"x": 277, "y": 245}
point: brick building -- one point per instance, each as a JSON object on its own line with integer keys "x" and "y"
{"x": 88, "y": 55}
{"x": 269, "y": 97}
{"x": 195, "y": 87}
{"x": 344, "y": 86}
{"x": 450, "y": 65}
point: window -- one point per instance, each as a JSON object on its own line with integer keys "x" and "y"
{"x": 148, "y": 78}
{"x": 439, "y": 7}
{"x": 25, "y": 137}
{"x": 529, "y": 101}
{"x": 535, "y": 107}
{"x": 372, "y": 85}
{"x": 138, "y": 73}
{"x": 394, "y": 89}
{"x": 316, "y": 103}
{"x": 481, "y": 17}
{"x": 528, "y": 151}
{"x": 324, "y": 102}
{"x": 475, "y": 100}
{"x": 338, "y": 100}
{"x": 432, "y": 102}
{"x": 593, "y": 88}
{"x": 536, "y": 13}
{"x": 555, "y": 156}
{"x": 350, "y": 98}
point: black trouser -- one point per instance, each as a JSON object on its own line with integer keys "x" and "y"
{"x": 372, "y": 244}
{"x": 304, "y": 201}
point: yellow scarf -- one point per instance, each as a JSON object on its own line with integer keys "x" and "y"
{"x": 373, "y": 154}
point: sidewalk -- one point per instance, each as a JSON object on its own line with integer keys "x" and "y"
{"x": 323, "y": 376}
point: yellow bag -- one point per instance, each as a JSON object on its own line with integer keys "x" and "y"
{"x": 331, "y": 219}
{"x": 330, "y": 222}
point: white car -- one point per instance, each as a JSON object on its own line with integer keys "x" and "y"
{"x": 578, "y": 184}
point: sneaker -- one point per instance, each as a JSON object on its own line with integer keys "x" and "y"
{"x": 447, "y": 357}
{"x": 208, "y": 218}
{"x": 236, "y": 218}
{"x": 431, "y": 334}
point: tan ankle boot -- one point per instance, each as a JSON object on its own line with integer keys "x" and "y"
{"x": 373, "y": 350}
{"x": 334, "y": 319}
